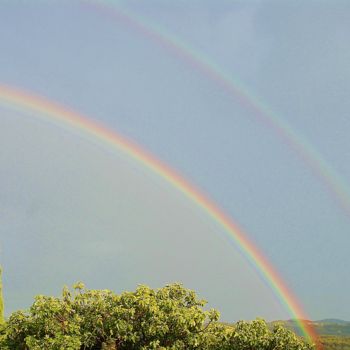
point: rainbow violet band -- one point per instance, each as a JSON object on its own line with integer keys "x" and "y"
{"x": 41, "y": 108}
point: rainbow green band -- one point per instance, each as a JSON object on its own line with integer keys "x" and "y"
{"x": 51, "y": 112}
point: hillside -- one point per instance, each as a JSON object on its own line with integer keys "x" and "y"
{"x": 332, "y": 320}
{"x": 333, "y": 334}
{"x": 327, "y": 327}
{"x": 330, "y": 342}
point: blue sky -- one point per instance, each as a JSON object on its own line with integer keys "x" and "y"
{"x": 72, "y": 211}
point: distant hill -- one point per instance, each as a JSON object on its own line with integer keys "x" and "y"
{"x": 332, "y": 320}
{"x": 322, "y": 327}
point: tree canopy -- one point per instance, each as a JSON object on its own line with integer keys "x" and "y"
{"x": 169, "y": 318}
{"x": 1, "y": 300}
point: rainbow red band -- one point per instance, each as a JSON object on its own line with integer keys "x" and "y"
{"x": 52, "y": 112}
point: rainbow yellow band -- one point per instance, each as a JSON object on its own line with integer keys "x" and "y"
{"x": 53, "y": 112}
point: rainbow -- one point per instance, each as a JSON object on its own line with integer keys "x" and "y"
{"x": 41, "y": 108}
{"x": 333, "y": 182}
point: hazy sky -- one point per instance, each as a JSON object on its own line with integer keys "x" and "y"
{"x": 70, "y": 210}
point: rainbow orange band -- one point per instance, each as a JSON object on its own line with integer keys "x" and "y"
{"x": 53, "y": 112}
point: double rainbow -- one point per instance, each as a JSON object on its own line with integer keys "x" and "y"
{"x": 69, "y": 119}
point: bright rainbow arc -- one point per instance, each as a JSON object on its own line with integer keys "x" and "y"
{"x": 333, "y": 182}
{"x": 52, "y": 112}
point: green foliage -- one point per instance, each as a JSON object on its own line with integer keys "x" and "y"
{"x": 1, "y": 300}
{"x": 257, "y": 335}
{"x": 335, "y": 343}
{"x": 168, "y": 318}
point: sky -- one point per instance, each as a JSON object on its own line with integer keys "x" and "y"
{"x": 72, "y": 209}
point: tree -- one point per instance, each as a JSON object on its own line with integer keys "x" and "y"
{"x": 168, "y": 318}
{"x": 1, "y": 300}
{"x": 257, "y": 335}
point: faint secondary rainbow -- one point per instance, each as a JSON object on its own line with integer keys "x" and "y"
{"x": 49, "y": 111}
{"x": 333, "y": 182}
